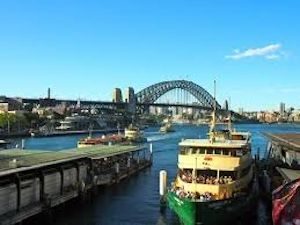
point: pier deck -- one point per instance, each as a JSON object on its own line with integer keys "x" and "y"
{"x": 33, "y": 181}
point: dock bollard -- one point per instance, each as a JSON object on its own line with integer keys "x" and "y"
{"x": 128, "y": 165}
{"x": 117, "y": 167}
{"x": 23, "y": 144}
{"x": 151, "y": 151}
{"x": 162, "y": 186}
{"x": 128, "y": 162}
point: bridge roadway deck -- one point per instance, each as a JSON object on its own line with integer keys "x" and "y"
{"x": 33, "y": 159}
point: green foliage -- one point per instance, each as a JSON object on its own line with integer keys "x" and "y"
{"x": 13, "y": 121}
{"x": 31, "y": 117}
{"x": 6, "y": 118}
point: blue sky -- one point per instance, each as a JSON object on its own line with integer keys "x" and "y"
{"x": 86, "y": 48}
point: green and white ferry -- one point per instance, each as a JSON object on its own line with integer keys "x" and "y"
{"x": 215, "y": 182}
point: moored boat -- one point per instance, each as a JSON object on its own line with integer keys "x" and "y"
{"x": 103, "y": 140}
{"x": 167, "y": 127}
{"x": 134, "y": 134}
{"x": 215, "y": 183}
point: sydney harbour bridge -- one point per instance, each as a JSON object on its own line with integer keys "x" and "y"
{"x": 175, "y": 93}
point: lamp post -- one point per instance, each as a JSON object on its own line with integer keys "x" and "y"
{"x": 8, "y": 124}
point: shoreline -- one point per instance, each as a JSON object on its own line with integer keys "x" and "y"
{"x": 58, "y": 133}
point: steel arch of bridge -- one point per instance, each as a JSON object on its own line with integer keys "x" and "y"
{"x": 150, "y": 94}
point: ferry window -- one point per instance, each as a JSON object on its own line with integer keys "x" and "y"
{"x": 209, "y": 151}
{"x": 206, "y": 176}
{"x": 237, "y": 137}
{"x": 182, "y": 151}
{"x": 186, "y": 175}
{"x": 233, "y": 153}
{"x": 225, "y": 152}
{"x": 202, "y": 151}
{"x": 218, "y": 151}
{"x": 194, "y": 150}
{"x": 227, "y": 176}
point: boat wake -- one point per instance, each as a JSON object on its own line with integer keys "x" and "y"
{"x": 152, "y": 132}
{"x": 157, "y": 138}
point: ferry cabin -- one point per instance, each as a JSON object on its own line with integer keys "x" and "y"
{"x": 221, "y": 168}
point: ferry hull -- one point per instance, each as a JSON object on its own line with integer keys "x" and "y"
{"x": 211, "y": 213}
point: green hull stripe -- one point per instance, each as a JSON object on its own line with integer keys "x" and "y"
{"x": 209, "y": 213}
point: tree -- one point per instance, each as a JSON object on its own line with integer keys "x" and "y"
{"x": 7, "y": 121}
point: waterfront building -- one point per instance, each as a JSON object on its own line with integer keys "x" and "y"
{"x": 49, "y": 93}
{"x": 267, "y": 117}
{"x": 295, "y": 116}
{"x": 251, "y": 115}
{"x": 9, "y": 104}
{"x": 282, "y": 108}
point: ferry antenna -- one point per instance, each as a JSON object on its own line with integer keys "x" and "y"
{"x": 213, "y": 123}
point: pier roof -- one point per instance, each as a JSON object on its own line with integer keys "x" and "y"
{"x": 290, "y": 140}
{"x": 289, "y": 174}
{"x": 17, "y": 160}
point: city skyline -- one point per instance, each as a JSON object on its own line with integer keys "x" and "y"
{"x": 84, "y": 50}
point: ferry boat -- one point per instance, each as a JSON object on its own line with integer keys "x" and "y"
{"x": 103, "y": 140}
{"x": 134, "y": 134}
{"x": 167, "y": 127}
{"x": 215, "y": 183}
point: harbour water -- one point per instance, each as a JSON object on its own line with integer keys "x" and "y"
{"x": 136, "y": 201}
